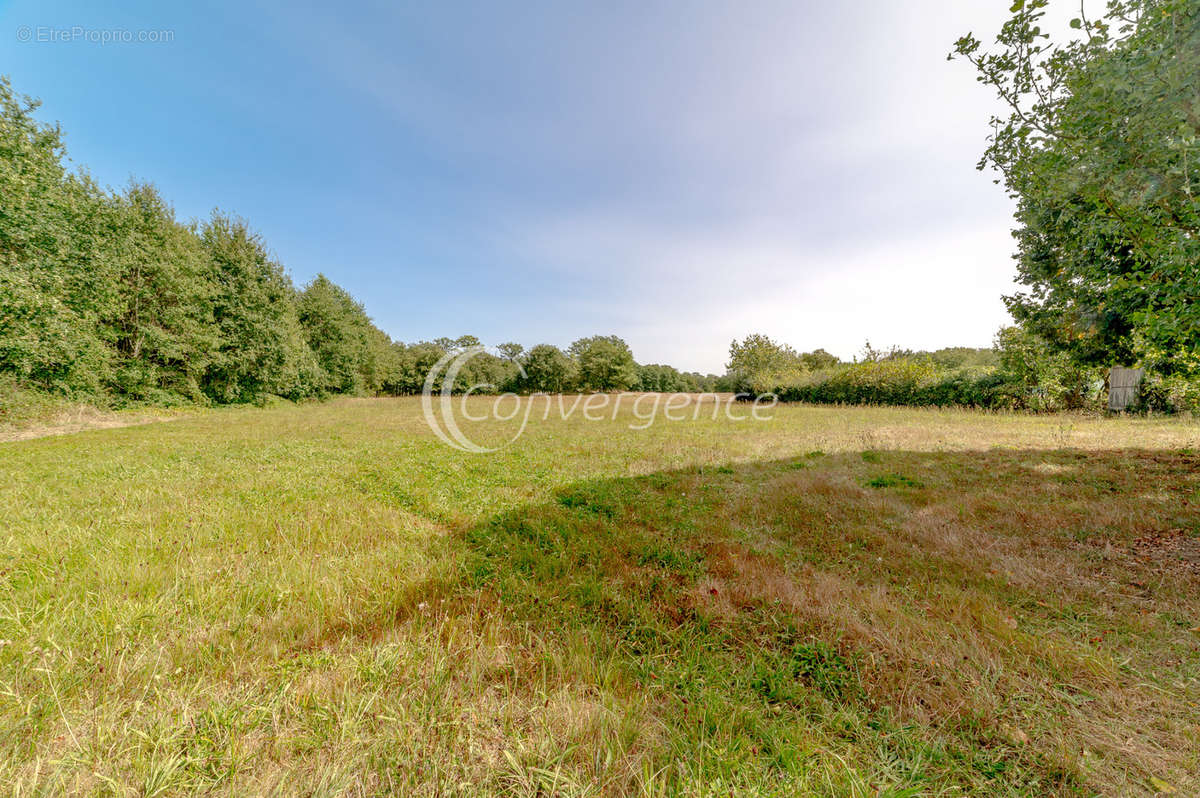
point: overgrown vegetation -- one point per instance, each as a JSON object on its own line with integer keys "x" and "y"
{"x": 841, "y": 601}
{"x": 1020, "y": 373}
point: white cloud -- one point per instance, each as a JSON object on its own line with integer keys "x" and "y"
{"x": 683, "y": 178}
{"x": 681, "y": 299}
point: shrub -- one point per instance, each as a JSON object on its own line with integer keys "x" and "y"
{"x": 1170, "y": 395}
{"x": 903, "y": 381}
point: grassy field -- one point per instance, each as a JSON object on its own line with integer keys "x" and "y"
{"x": 326, "y": 600}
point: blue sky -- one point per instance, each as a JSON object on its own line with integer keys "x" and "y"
{"x": 678, "y": 173}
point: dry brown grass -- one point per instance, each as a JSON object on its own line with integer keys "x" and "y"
{"x": 937, "y": 621}
{"x": 325, "y": 600}
{"x": 74, "y": 418}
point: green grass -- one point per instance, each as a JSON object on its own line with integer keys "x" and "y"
{"x": 894, "y": 481}
{"x": 326, "y": 600}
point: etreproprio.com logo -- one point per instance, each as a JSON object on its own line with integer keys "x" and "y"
{"x": 444, "y": 401}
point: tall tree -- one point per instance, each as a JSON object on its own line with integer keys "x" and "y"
{"x": 1101, "y": 149}
{"x": 548, "y": 370}
{"x": 339, "y": 333}
{"x": 757, "y": 364}
{"x": 163, "y": 331}
{"x": 511, "y": 351}
{"x": 259, "y": 349}
{"x": 420, "y": 359}
{"x": 605, "y": 363}
{"x": 57, "y": 277}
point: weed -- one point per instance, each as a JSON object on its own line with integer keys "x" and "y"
{"x": 894, "y": 481}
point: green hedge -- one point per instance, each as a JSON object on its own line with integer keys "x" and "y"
{"x": 917, "y": 382}
{"x": 912, "y": 382}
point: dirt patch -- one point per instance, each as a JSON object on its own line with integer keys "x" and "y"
{"x": 1052, "y": 468}
{"x": 80, "y": 420}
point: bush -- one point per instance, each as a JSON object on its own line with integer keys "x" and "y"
{"x": 904, "y": 381}
{"x": 20, "y": 403}
{"x": 1170, "y": 395}
{"x": 918, "y": 382}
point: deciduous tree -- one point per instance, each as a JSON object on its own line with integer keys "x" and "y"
{"x": 605, "y": 363}
{"x": 1101, "y": 149}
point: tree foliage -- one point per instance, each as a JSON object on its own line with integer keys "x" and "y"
{"x": 605, "y": 363}
{"x": 549, "y": 370}
{"x": 162, "y": 329}
{"x": 1101, "y": 149}
{"x": 254, "y": 312}
{"x": 56, "y": 279}
{"x": 511, "y": 351}
{"x": 106, "y": 295}
{"x": 339, "y": 333}
{"x": 758, "y": 364}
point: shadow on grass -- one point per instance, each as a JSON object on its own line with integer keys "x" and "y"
{"x": 1003, "y": 621}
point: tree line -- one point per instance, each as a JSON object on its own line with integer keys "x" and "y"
{"x": 107, "y": 295}
{"x": 595, "y": 363}
{"x": 1020, "y": 371}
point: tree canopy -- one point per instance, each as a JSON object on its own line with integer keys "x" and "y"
{"x": 1101, "y": 149}
{"x": 605, "y": 363}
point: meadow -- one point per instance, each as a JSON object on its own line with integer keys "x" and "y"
{"x": 324, "y": 599}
